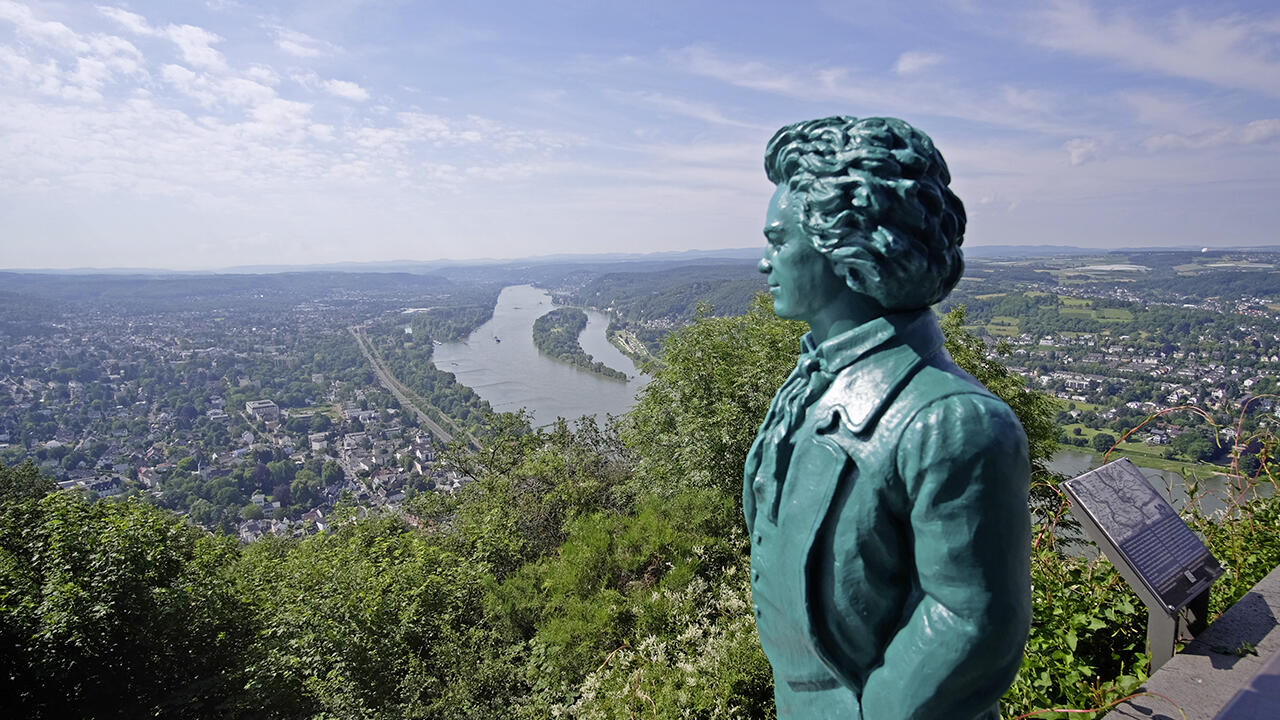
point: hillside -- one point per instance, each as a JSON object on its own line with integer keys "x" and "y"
{"x": 583, "y": 571}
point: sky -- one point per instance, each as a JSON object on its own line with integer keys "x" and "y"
{"x": 202, "y": 135}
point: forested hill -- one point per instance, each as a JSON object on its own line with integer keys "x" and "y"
{"x": 673, "y": 294}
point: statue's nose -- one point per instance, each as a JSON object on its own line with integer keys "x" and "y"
{"x": 764, "y": 265}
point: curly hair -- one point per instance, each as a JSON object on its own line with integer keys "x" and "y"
{"x": 874, "y": 198}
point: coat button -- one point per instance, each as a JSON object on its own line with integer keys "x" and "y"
{"x": 757, "y": 610}
{"x": 759, "y": 538}
{"x": 755, "y": 576}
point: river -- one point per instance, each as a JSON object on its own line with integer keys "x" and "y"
{"x": 500, "y": 362}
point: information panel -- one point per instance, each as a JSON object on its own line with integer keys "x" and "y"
{"x": 1168, "y": 558}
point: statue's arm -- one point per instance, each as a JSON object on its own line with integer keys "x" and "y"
{"x": 963, "y": 461}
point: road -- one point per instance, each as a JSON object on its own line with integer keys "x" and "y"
{"x": 407, "y": 397}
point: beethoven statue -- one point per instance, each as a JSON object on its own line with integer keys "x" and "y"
{"x": 886, "y": 492}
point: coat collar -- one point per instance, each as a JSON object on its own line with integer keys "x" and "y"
{"x": 886, "y": 352}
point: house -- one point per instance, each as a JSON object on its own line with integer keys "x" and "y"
{"x": 103, "y": 486}
{"x": 265, "y": 410}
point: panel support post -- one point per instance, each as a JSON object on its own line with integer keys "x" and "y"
{"x": 1162, "y": 636}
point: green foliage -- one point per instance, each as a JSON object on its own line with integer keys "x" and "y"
{"x": 1088, "y": 637}
{"x": 712, "y": 668}
{"x": 1103, "y": 442}
{"x": 613, "y": 580}
{"x": 408, "y": 359}
{"x": 1244, "y": 537}
{"x": 529, "y": 484}
{"x": 694, "y": 422}
{"x": 361, "y": 622}
{"x": 23, "y": 483}
{"x": 117, "y": 609}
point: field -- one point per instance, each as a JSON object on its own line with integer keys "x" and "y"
{"x": 1083, "y": 308}
{"x": 1003, "y": 326}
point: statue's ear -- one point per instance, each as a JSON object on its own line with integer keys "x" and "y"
{"x": 860, "y": 271}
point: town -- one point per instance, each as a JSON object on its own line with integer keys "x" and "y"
{"x": 255, "y": 426}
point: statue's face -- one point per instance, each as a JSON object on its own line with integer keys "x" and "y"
{"x": 801, "y": 280}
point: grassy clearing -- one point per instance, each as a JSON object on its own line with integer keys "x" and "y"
{"x": 330, "y": 410}
{"x": 1074, "y": 302}
{"x": 1082, "y": 406}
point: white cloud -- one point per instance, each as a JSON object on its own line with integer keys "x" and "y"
{"x": 1081, "y": 150}
{"x": 46, "y": 32}
{"x": 195, "y": 45}
{"x": 866, "y": 93}
{"x": 321, "y": 132}
{"x": 190, "y": 84}
{"x": 913, "y": 62}
{"x": 277, "y": 116}
{"x": 130, "y": 21}
{"x": 1182, "y": 113}
{"x": 749, "y": 74}
{"x": 346, "y": 90}
{"x": 242, "y": 91}
{"x": 1253, "y": 133}
{"x": 1234, "y": 50}
{"x": 263, "y": 74}
{"x": 503, "y": 172}
{"x": 83, "y": 64}
{"x": 302, "y": 45}
{"x": 705, "y": 112}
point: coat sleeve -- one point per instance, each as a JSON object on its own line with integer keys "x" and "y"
{"x": 963, "y": 464}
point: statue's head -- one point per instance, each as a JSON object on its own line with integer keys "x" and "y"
{"x": 871, "y": 195}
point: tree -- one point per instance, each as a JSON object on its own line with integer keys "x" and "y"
{"x": 117, "y": 610}
{"x": 331, "y": 474}
{"x": 306, "y": 488}
{"x": 1102, "y": 442}
{"x": 694, "y": 422}
{"x": 23, "y": 483}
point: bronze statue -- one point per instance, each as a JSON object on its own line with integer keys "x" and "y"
{"x": 886, "y": 492}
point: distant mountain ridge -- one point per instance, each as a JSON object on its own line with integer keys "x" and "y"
{"x": 427, "y": 266}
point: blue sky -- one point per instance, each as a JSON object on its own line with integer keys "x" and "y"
{"x": 211, "y": 134}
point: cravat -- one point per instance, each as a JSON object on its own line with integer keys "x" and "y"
{"x": 805, "y": 386}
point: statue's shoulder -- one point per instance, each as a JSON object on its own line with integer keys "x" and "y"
{"x": 884, "y": 394}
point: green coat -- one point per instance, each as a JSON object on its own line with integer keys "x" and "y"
{"x": 890, "y": 566}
